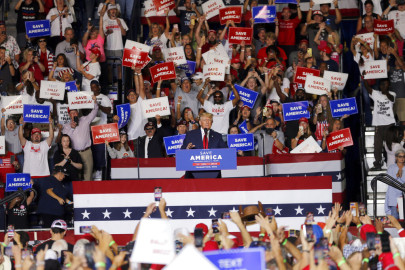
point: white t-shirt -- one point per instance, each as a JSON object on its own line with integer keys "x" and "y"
{"x": 100, "y": 7}
{"x": 101, "y": 117}
{"x": 114, "y": 40}
{"x": 221, "y": 115}
{"x": 136, "y": 121}
{"x": 55, "y": 24}
{"x": 383, "y": 113}
{"x": 93, "y": 69}
{"x": 285, "y": 88}
{"x": 36, "y": 158}
{"x": 157, "y": 41}
{"x": 399, "y": 20}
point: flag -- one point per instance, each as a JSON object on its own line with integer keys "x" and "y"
{"x": 116, "y": 206}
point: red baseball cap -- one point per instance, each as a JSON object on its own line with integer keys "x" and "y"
{"x": 35, "y": 130}
{"x": 304, "y": 41}
{"x": 303, "y": 119}
{"x": 325, "y": 49}
{"x": 95, "y": 51}
{"x": 212, "y": 31}
{"x": 235, "y": 60}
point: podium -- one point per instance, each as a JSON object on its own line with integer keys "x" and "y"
{"x": 205, "y": 163}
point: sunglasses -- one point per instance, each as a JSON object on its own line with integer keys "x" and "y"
{"x": 42, "y": 40}
{"x": 217, "y": 97}
{"x": 148, "y": 128}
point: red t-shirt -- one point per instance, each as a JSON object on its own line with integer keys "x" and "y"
{"x": 262, "y": 55}
{"x": 43, "y": 58}
{"x": 286, "y": 35}
{"x": 36, "y": 70}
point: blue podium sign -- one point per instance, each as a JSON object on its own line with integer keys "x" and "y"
{"x": 17, "y": 180}
{"x": 246, "y": 259}
{"x": 344, "y": 106}
{"x": 206, "y": 159}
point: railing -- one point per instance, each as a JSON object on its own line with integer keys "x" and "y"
{"x": 386, "y": 179}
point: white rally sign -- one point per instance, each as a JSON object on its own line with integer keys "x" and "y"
{"x": 80, "y": 100}
{"x": 375, "y": 69}
{"x": 14, "y": 104}
{"x": 211, "y": 8}
{"x": 52, "y": 89}
{"x": 175, "y": 55}
{"x": 317, "y": 85}
{"x": 154, "y": 106}
{"x": 129, "y": 44}
{"x": 338, "y": 80}
{"x": 2, "y": 145}
{"x": 214, "y": 72}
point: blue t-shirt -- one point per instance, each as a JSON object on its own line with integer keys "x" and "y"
{"x": 47, "y": 204}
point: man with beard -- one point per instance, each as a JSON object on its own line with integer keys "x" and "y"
{"x": 35, "y": 151}
{"x": 212, "y": 36}
{"x": 268, "y": 138}
{"x": 291, "y": 126}
{"x": 219, "y": 109}
{"x": 186, "y": 14}
{"x": 188, "y": 95}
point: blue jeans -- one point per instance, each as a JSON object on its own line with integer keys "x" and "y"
{"x": 368, "y": 117}
{"x": 126, "y": 9}
{"x": 99, "y": 151}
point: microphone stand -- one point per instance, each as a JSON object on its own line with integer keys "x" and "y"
{"x": 264, "y": 157}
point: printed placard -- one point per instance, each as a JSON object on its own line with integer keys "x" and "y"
{"x": 242, "y": 142}
{"x": 319, "y": 2}
{"x": 163, "y": 71}
{"x": 206, "y": 159}
{"x": 264, "y": 14}
{"x": 243, "y": 127}
{"x": 150, "y": 9}
{"x": 155, "y": 106}
{"x": 317, "y": 85}
{"x": 302, "y": 73}
{"x": 341, "y": 138}
{"x": 286, "y": 2}
{"x": 154, "y": 243}
{"x": 135, "y": 57}
{"x": 14, "y": 181}
{"x": 246, "y": 95}
{"x": 2, "y": 145}
{"x": 71, "y": 87}
{"x": 124, "y": 113}
{"x": 246, "y": 259}
{"x": 368, "y": 37}
{"x": 307, "y": 146}
{"x": 214, "y": 72}
{"x": 80, "y": 100}
{"x": 211, "y": 8}
{"x": 130, "y": 44}
{"x": 173, "y": 143}
{"x": 107, "y": 132}
{"x": 382, "y": 27}
{"x": 344, "y": 106}
{"x": 162, "y": 5}
{"x": 238, "y": 34}
{"x": 36, "y": 113}
{"x": 13, "y": 104}
{"x": 175, "y": 55}
{"x": 375, "y": 69}
{"x": 63, "y": 114}
{"x": 52, "y": 89}
{"x": 230, "y": 14}
{"x": 39, "y": 28}
{"x": 338, "y": 80}
{"x": 295, "y": 110}
{"x": 191, "y": 68}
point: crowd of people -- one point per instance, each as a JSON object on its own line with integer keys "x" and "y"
{"x": 84, "y": 49}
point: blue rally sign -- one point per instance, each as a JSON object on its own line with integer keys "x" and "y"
{"x": 344, "y": 106}
{"x": 38, "y": 28}
{"x": 286, "y": 2}
{"x": 173, "y": 143}
{"x": 124, "y": 113}
{"x": 243, "y": 127}
{"x": 17, "y": 180}
{"x": 206, "y": 159}
{"x": 295, "y": 110}
{"x": 71, "y": 87}
{"x": 246, "y": 259}
{"x": 243, "y": 142}
{"x": 264, "y": 14}
{"x": 246, "y": 95}
{"x": 36, "y": 113}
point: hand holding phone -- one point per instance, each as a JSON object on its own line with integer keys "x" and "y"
{"x": 215, "y": 225}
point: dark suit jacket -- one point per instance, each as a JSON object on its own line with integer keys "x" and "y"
{"x": 155, "y": 147}
{"x": 195, "y": 137}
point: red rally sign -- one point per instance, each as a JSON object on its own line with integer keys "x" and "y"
{"x": 230, "y": 14}
{"x": 383, "y": 27}
{"x": 164, "y": 71}
{"x": 135, "y": 57}
{"x": 339, "y": 138}
{"x": 301, "y": 74}
{"x": 239, "y": 34}
{"x": 107, "y": 132}
{"x": 162, "y": 5}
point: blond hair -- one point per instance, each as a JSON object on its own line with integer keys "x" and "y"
{"x": 208, "y": 115}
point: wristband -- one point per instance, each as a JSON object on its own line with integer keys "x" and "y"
{"x": 100, "y": 264}
{"x": 110, "y": 244}
{"x": 135, "y": 73}
{"x": 379, "y": 232}
{"x": 198, "y": 48}
{"x": 365, "y": 260}
{"x": 42, "y": 263}
{"x": 328, "y": 231}
{"x": 4, "y": 245}
{"x": 17, "y": 266}
{"x": 284, "y": 242}
{"x": 242, "y": 50}
{"x": 393, "y": 40}
{"x": 358, "y": 226}
{"x": 305, "y": 251}
{"x": 262, "y": 235}
{"x": 396, "y": 255}
{"x": 343, "y": 261}
{"x": 310, "y": 8}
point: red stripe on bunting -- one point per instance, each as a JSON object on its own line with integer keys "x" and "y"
{"x": 298, "y": 158}
{"x": 203, "y": 185}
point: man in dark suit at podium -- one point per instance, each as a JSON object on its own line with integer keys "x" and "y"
{"x": 203, "y": 138}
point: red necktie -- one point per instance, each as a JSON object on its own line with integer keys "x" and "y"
{"x": 205, "y": 141}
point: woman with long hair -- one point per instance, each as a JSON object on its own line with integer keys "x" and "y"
{"x": 121, "y": 149}
{"x": 60, "y": 64}
{"x": 322, "y": 117}
{"x": 393, "y": 141}
{"x": 27, "y": 86}
{"x": 304, "y": 132}
{"x": 396, "y": 171}
{"x": 31, "y": 62}
{"x": 45, "y": 55}
{"x": 335, "y": 125}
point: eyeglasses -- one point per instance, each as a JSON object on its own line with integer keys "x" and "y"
{"x": 217, "y": 97}
{"x": 401, "y": 156}
{"x": 42, "y": 40}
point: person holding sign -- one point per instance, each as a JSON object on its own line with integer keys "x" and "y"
{"x": 304, "y": 132}
{"x": 383, "y": 116}
{"x": 121, "y": 149}
{"x": 27, "y": 10}
{"x": 219, "y": 109}
{"x": 369, "y": 11}
{"x": 36, "y": 151}
{"x": 322, "y": 117}
{"x": 336, "y": 125}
